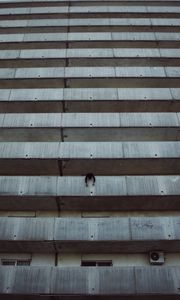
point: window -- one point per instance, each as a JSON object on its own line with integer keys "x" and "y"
{"x": 8, "y": 262}
{"x": 23, "y": 262}
{"x": 96, "y": 263}
{"x": 15, "y": 262}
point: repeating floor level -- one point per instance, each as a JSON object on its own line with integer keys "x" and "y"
{"x": 89, "y": 149}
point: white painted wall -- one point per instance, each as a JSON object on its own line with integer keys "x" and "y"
{"x": 172, "y": 259}
{"x": 43, "y": 259}
{"x": 69, "y": 260}
{"x": 47, "y": 214}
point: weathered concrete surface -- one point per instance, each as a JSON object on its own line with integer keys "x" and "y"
{"x": 90, "y": 235}
{"x": 52, "y": 127}
{"x": 115, "y": 158}
{"x": 90, "y": 99}
{"x": 149, "y": 281}
{"x": 70, "y": 193}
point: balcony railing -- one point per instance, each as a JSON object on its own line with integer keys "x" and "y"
{"x": 83, "y": 235}
{"x": 156, "y": 282}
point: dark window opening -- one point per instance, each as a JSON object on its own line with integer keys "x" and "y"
{"x": 8, "y": 262}
{"x": 15, "y": 262}
{"x": 96, "y": 263}
{"x": 23, "y": 262}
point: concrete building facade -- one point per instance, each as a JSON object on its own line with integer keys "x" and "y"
{"x": 89, "y": 149}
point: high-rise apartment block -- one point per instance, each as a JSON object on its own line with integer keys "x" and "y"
{"x": 89, "y": 149}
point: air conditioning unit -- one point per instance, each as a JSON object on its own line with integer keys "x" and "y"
{"x": 156, "y": 258}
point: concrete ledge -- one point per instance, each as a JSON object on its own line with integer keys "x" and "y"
{"x": 88, "y": 36}
{"x": 89, "y": 9}
{"x": 70, "y": 193}
{"x": 90, "y": 72}
{"x": 90, "y": 120}
{"x": 89, "y": 22}
{"x": 90, "y": 235}
{"x": 126, "y": 158}
{"x": 93, "y": 127}
{"x": 155, "y": 282}
{"x": 75, "y": 186}
{"x": 89, "y": 100}
{"x": 88, "y": 53}
{"x": 97, "y": 151}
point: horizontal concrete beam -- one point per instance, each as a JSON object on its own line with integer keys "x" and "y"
{"x": 70, "y": 194}
{"x": 75, "y": 186}
{"x": 90, "y": 72}
{"x": 89, "y": 126}
{"x": 107, "y": 282}
{"x": 78, "y": 150}
{"x": 88, "y": 235}
{"x": 82, "y": 94}
{"x": 89, "y": 36}
{"x": 98, "y": 158}
{"x": 90, "y": 100}
{"x": 89, "y": 9}
{"x": 88, "y": 53}
{"x": 90, "y": 22}
{"x": 89, "y": 120}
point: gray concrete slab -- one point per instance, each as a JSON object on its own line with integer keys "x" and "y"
{"x": 9, "y": 54}
{"x": 89, "y": 150}
{"x": 140, "y": 72}
{"x": 36, "y": 94}
{"x": 91, "y": 22}
{"x": 163, "y": 9}
{"x": 5, "y": 94}
{"x": 90, "y": 94}
{"x": 90, "y": 72}
{"x": 88, "y": 53}
{"x": 39, "y": 73}
{"x": 92, "y": 281}
{"x": 24, "y": 229}
{"x": 145, "y": 93}
{"x": 33, "y": 120}
{"x": 91, "y": 120}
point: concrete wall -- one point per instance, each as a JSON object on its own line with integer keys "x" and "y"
{"x": 90, "y": 281}
{"x": 89, "y": 86}
{"x": 86, "y": 235}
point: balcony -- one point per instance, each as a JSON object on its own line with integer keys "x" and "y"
{"x": 88, "y": 99}
{"x": 104, "y": 282}
{"x": 115, "y": 158}
{"x": 90, "y": 235}
{"x": 111, "y": 193}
